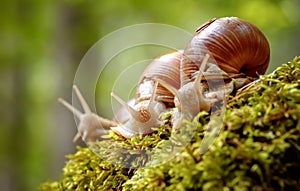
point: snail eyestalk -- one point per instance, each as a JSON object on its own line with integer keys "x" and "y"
{"x": 152, "y": 98}
{"x": 201, "y": 71}
{"x": 75, "y": 111}
{"x": 172, "y": 90}
{"x": 135, "y": 114}
{"x": 83, "y": 103}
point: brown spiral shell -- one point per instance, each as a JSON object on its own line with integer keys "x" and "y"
{"x": 235, "y": 45}
{"x": 165, "y": 67}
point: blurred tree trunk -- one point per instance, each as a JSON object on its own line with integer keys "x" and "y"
{"x": 48, "y": 42}
{"x": 26, "y": 53}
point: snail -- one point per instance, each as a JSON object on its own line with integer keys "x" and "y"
{"x": 151, "y": 100}
{"x": 227, "y": 49}
{"x": 223, "y": 55}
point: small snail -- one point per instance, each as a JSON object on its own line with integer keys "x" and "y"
{"x": 151, "y": 101}
{"x": 222, "y": 49}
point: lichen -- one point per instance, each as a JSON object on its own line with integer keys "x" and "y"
{"x": 258, "y": 147}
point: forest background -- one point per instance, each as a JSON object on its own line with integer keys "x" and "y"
{"x": 43, "y": 42}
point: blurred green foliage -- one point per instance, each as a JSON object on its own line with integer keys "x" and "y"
{"x": 42, "y": 43}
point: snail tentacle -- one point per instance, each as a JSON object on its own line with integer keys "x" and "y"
{"x": 83, "y": 103}
{"x": 134, "y": 113}
{"x": 75, "y": 111}
{"x": 152, "y": 98}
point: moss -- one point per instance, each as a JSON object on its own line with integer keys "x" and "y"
{"x": 258, "y": 147}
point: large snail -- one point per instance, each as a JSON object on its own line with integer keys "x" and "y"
{"x": 222, "y": 49}
{"x": 227, "y": 50}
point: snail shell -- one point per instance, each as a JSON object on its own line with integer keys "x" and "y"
{"x": 166, "y": 68}
{"x": 235, "y": 45}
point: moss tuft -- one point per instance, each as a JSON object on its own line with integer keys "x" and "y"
{"x": 258, "y": 147}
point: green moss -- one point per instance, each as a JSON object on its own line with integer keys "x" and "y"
{"x": 258, "y": 147}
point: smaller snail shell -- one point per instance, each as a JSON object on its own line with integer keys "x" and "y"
{"x": 165, "y": 67}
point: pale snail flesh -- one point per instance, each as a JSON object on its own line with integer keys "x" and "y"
{"x": 151, "y": 100}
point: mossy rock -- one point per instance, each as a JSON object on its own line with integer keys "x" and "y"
{"x": 258, "y": 147}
